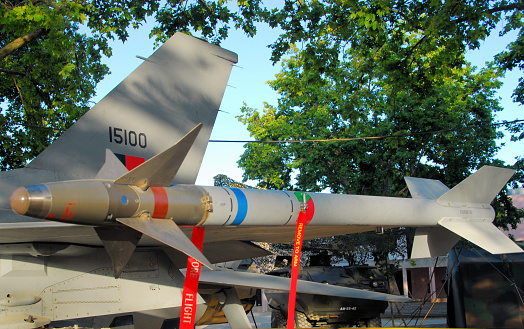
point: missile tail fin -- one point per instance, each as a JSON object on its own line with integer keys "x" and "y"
{"x": 421, "y": 188}
{"x": 481, "y": 187}
{"x": 167, "y": 232}
{"x": 478, "y": 189}
{"x": 483, "y": 234}
{"x": 112, "y": 168}
{"x": 433, "y": 242}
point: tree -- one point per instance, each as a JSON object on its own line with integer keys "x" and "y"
{"x": 409, "y": 30}
{"x": 49, "y": 68}
{"x": 407, "y": 112}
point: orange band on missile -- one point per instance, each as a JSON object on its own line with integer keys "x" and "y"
{"x": 161, "y": 202}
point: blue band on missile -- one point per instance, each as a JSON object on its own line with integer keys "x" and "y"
{"x": 242, "y": 206}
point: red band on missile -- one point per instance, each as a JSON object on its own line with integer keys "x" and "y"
{"x": 161, "y": 202}
{"x": 190, "y": 290}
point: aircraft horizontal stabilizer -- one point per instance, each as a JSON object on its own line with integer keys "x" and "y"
{"x": 167, "y": 232}
{"x": 483, "y": 234}
{"x": 247, "y": 279}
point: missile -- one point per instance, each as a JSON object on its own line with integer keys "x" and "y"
{"x": 143, "y": 200}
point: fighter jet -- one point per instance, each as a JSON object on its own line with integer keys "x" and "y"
{"x": 102, "y": 218}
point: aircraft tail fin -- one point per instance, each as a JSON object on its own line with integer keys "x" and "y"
{"x": 179, "y": 86}
{"x": 478, "y": 190}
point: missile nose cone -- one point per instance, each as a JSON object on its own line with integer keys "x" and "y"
{"x": 20, "y": 201}
{"x": 32, "y": 201}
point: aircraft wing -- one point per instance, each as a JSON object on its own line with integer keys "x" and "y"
{"x": 221, "y": 243}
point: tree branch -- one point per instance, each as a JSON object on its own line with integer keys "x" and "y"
{"x": 518, "y": 6}
{"x": 22, "y": 41}
{"x": 14, "y": 72}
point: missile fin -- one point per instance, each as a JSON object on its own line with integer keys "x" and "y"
{"x": 481, "y": 187}
{"x": 421, "y": 188}
{"x": 112, "y": 168}
{"x": 483, "y": 234}
{"x": 120, "y": 243}
{"x": 167, "y": 232}
{"x": 161, "y": 169}
{"x": 432, "y": 242}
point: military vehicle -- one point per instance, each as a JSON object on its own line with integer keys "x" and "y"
{"x": 328, "y": 311}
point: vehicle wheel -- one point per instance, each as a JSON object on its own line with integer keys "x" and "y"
{"x": 278, "y": 320}
{"x": 370, "y": 323}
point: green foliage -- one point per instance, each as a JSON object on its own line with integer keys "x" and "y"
{"x": 48, "y": 66}
{"x": 408, "y": 109}
{"x": 49, "y": 70}
{"x": 211, "y": 19}
{"x": 225, "y": 181}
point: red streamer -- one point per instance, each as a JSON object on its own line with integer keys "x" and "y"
{"x": 295, "y": 265}
{"x": 189, "y": 293}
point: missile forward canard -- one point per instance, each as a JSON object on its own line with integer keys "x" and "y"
{"x": 105, "y": 213}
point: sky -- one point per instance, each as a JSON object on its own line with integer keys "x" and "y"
{"x": 247, "y": 84}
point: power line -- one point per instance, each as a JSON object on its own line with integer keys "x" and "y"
{"x": 434, "y": 132}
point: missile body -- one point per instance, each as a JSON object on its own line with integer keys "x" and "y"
{"x": 99, "y": 203}
{"x": 141, "y": 201}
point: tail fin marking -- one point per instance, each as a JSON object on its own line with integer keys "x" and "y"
{"x": 161, "y": 169}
